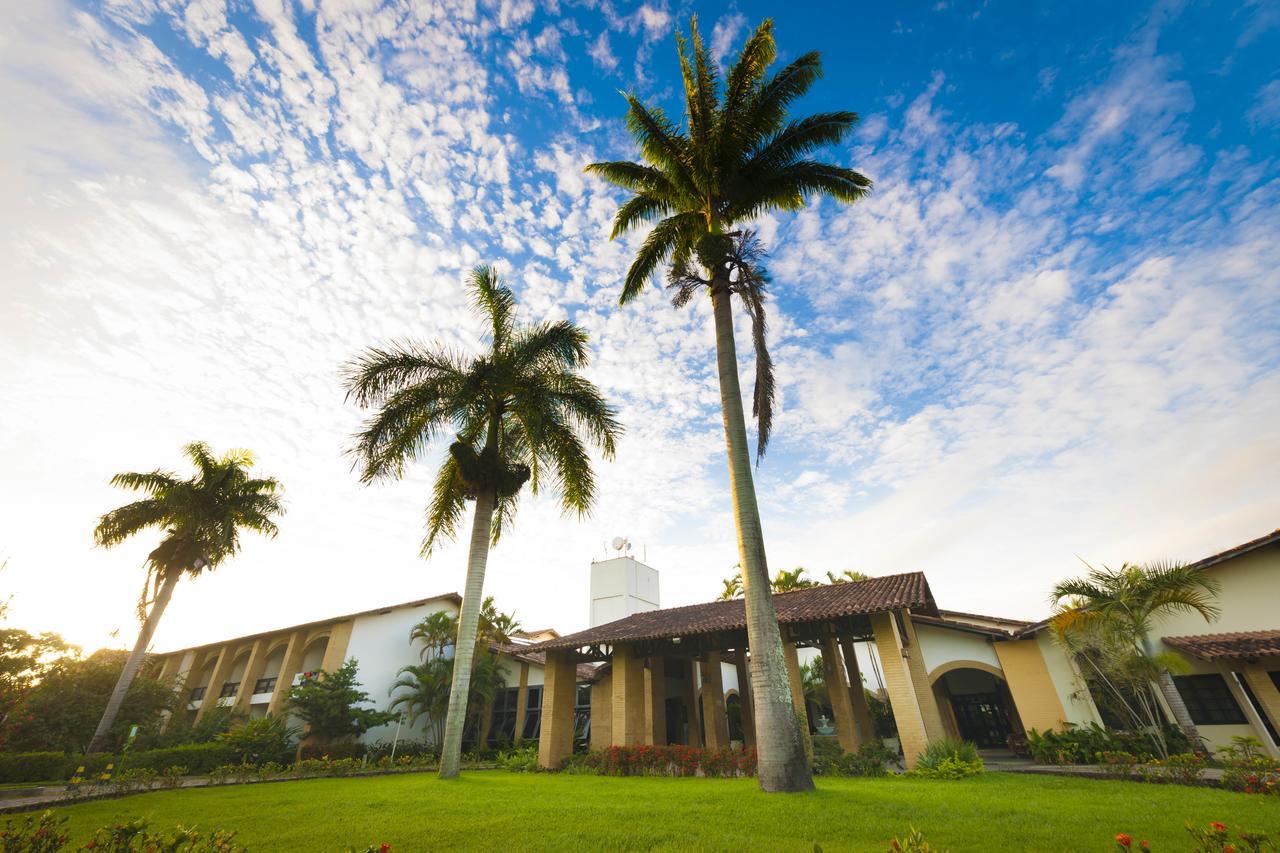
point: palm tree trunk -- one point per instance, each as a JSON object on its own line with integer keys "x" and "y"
{"x": 782, "y": 762}
{"x": 132, "y": 665}
{"x": 464, "y": 649}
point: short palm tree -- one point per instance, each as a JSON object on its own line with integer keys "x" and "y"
{"x": 788, "y": 581}
{"x": 201, "y": 517}
{"x": 737, "y": 157}
{"x": 1117, "y": 608}
{"x": 521, "y": 413}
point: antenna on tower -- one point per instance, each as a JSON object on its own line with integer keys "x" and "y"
{"x": 621, "y": 544}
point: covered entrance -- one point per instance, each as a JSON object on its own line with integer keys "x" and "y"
{"x": 980, "y": 708}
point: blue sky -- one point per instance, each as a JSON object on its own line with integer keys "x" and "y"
{"x": 1051, "y": 333}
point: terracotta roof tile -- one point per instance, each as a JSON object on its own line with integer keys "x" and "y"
{"x": 1241, "y": 644}
{"x": 829, "y": 601}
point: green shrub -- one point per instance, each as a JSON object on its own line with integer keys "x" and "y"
{"x": 198, "y": 758}
{"x": 948, "y": 758}
{"x": 870, "y": 759}
{"x": 1117, "y": 765}
{"x": 41, "y": 833}
{"x": 260, "y": 740}
{"x": 522, "y": 760}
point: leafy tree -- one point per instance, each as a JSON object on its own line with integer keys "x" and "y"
{"x": 330, "y": 703}
{"x": 201, "y": 517}
{"x": 422, "y": 690}
{"x": 262, "y": 739}
{"x": 847, "y": 576}
{"x": 60, "y": 712}
{"x": 1106, "y": 619}
{"x": 784, "y": 581}
{"x": 737, "y": 156}
{"x": 520, "y": 412}
{"x": 24, "y": 659}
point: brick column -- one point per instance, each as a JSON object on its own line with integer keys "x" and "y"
{"x": 838, "y": 691}
{"x": 903, "y": 696}
{"x": 715, "y": 721}
{"x": 226, "y": 657}
{"x": 289, "y": 666}
{"x": 253, "y": 668}
{"x": 747, "y": 700}
{"x": 920, "y": 680}
{"x": 655, "y": 701}
{"x": 559, "y": 693}
{"x": 602, "y": 713}
{"x": 857, "y": 693}
{"x": 628, "y": 696}
{"x": 522, "y": 703}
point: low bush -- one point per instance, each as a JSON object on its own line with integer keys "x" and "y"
{"x": 520, "y": 760}
{"x": 948, "y": 758}
{"x": 45, "y": 833}
{"x": 675, "y": 760}
{"x": 1081, "y": 744}
{"x": 871, "y": 759}
{"x": 1185, "y": 769}
{"x": 1247, "y": 768}
{"x": 261, "y": 740}
{"x": 1217, "y": 838}
{"x": 1118, "y": 765}
{"x": 913, "y": 843}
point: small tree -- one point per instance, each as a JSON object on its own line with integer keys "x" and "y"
{"x": 330, "y": 704}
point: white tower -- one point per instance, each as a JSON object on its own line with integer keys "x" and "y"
{"x": 621, "y": 586}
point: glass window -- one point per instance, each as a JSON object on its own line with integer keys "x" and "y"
{"x": 503, "y": 727}
{"x": 533, "y": 716}
{"x": 1275, "y": 678}
{"x": 1209, "y": 700}
{"x": 582, "y": 717}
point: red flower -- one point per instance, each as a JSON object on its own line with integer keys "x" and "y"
{"x": 384, "y": 847}
{"x": 1144, "y": 845}
{"x": 1228, "y": 848}
{"x": 1124, "y": 840}
{"x": 1221, "y": 827}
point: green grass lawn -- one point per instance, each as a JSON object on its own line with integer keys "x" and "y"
{"x": 494, "y": 810}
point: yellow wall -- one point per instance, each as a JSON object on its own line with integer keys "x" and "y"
{"x": 1030, "y": 683}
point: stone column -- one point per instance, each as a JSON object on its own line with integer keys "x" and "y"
{"x": 253, "y": 668}
{"x": 628, "y": 696}
{"x": 792, "y": 659}
{"x": 747, "y": 699}
{"x": 655, "y": 701}
{"x": 904, "y": 697}
{"x": 226, "y": 657}
{"x": 289, "y": 666}
{"x": 335, "y": 651}
{"x": 522, "y": 703}
{"x": 857, "y": 693}
{"x": 838, "y": 691}
{"x": 559, "y": 693}
{"x": 602, "y": 713}
{"x": 713, "y": 715}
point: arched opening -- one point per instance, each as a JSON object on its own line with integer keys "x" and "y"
{"x": 976, "y": 705}
{"x": 313, "y": 656}
{"x": 231, "y": 687}
{"x": 266, "y": 682}
{"x": 200, "y": 685}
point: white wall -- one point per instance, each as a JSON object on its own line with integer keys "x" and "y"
{"x": 943, "y": 645}
{"x": 380, "y": 642}
{"x": 620, "y": 587}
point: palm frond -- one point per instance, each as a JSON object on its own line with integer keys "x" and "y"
{"x": 495, "y": 302}
{"x": 378, "y": 372}
{"x": 448, "y": 504}
{"x": 665, "y": 238}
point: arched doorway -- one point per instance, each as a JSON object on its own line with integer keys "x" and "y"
{"x": 978, "y": 706}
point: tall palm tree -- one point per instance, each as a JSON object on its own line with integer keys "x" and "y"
{"x": 1120, "y": 607}
{"x": 520, "y": 412}
{"x": 201, "y": 517}
{"x": 738, "y": 156}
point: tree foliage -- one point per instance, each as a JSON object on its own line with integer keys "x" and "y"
{"x": 519, "y": 413}
{"x": 61, "y": 711}
{"x": 331, "y": 704}
{"x": 737, "y": 156}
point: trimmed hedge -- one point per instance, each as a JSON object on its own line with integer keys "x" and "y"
{"x": 46, "y": 766}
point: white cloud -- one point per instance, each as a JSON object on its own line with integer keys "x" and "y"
{"x": 601, "y": 54}
{"x": 725, "y": 33}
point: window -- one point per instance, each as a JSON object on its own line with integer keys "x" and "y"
{"x": 229, "y": 689}
{"x": 1275, "y": 678}
{"x": 197, "y": 693}
{"x": 533, "y": 716}
{"x": 503, "y": 727}
{"x": 265, "y": 685}
{"x": 1209, "y": 700}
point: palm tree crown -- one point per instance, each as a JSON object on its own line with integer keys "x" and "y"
{"x": 737, "y": 156}
{"x": 518, "y": 412}
{"x": 202, "y": 516}
{"x": 1132, "y": 596}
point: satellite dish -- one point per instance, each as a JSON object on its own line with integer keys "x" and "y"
{"x": 619, "y": 543}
